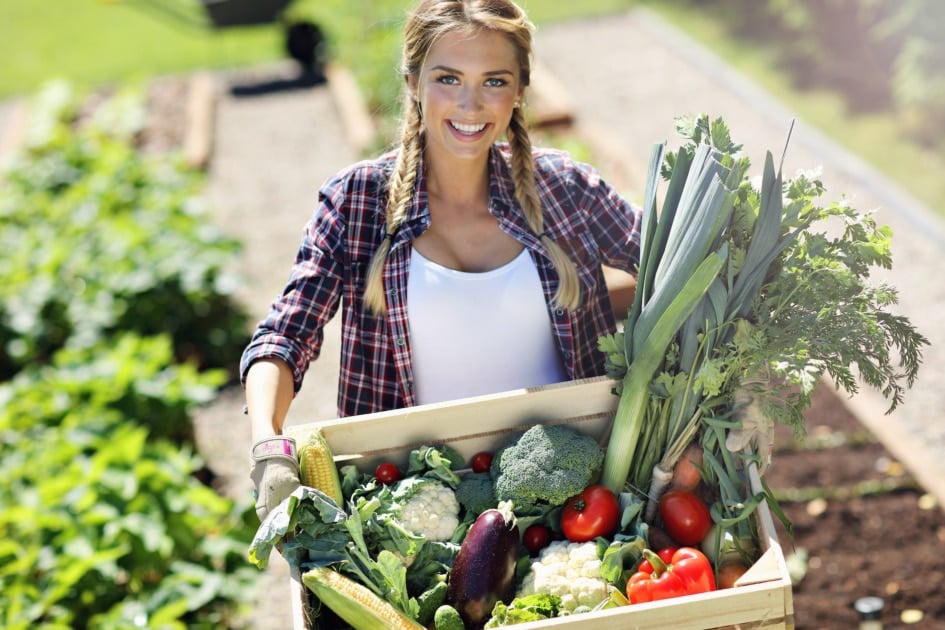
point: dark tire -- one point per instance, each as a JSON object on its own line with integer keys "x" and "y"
{"x": 306, "y": 43}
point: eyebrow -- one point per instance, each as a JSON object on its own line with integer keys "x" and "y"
{"x": 457, "y": 71}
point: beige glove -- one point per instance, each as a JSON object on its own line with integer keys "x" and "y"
{"x": 275, "y": 472}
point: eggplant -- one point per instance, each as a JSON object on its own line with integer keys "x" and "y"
{"x": 483, "y": 572}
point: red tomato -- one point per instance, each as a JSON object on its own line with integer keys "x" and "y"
{"x": 536, "y": 537}
{"x": 685, "y": 516}
{"x": 592, "y": 513}
{"x": 481, "y": 462}
{"x": 387, "y": 473}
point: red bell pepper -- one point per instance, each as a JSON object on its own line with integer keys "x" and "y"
{"x": 672, "y": 572}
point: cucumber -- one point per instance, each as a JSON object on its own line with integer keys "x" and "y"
{"x": 448, "y": 618}
{"x": 430, "y": 600}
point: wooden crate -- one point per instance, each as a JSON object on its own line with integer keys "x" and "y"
{"x": 762, "y": 599}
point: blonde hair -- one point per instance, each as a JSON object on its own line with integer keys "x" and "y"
{"x": 428, "y": 22}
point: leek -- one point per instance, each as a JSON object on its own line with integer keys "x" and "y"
{"x": 678, "y": 267}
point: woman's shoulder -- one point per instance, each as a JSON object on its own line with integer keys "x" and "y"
{"x": 548, "y": 159}
{"x": 560, "y": 164}
{"x": 368, "y": 172}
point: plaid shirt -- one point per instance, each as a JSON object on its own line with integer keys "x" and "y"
{"x": 582, "y": 214}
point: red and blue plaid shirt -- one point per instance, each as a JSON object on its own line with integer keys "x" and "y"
{"x": 582, "y": 213}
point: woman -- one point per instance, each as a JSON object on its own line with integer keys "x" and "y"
{"x": 465, "y": 264}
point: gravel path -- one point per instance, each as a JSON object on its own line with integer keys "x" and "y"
{"x": 635, "y": 73}
{"x": 271, "y": 152}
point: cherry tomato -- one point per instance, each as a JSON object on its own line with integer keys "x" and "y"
{"x": 481, "y": 462}
{"x": 685, "y": 516}
{"x": 592, "y": 513}
{"x": 730, "y": 571}
{"x": 536, "y": 537}
{"x": 387, "y": 473}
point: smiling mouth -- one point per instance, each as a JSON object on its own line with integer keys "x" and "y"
{"x": 468, "y": 130}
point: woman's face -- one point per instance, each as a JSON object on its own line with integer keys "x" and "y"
{"x": 467, "y": 88}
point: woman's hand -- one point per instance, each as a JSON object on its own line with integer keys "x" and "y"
{"x": 275, "y": 472}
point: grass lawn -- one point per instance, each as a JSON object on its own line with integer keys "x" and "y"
{"x": 93, "y": 42}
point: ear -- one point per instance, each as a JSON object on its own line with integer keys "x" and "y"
{"x": 411, "y": 80}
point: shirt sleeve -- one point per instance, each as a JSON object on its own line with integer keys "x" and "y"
{"x": 614, "y": 222}
{"x": 293, "y": 330}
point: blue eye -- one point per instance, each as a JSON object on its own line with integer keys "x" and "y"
{"x": 448, "y": 79}
{"x": 494, "y": 82}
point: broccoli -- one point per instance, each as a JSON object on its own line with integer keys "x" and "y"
{"x": 546, "y": 465}
{"x": 475, "y": 493}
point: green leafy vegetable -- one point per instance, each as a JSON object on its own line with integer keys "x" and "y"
{"x": 533, "y": 607}
{"x": 748, "y": 294}
{"x": 370, "y": 542}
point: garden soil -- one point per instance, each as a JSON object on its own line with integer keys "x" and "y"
{"x": 862, "y": 491}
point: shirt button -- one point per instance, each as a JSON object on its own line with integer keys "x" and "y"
{"x": 559, "y": 312}
{"x": 401, "y": 342}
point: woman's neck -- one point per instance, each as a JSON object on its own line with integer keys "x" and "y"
{"x": 458, "y": 182}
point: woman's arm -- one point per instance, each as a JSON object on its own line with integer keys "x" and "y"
{"x": 269, "y": 393}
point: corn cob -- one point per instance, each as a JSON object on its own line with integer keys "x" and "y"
{"x": 317, "y": 467}
{"x": 354, "y": 602}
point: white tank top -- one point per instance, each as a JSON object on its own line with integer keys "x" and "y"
{"x": 478, "y": 333}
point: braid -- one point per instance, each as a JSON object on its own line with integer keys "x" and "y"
{"x": 523, "y": 174}
{"x": 399, "y": 193}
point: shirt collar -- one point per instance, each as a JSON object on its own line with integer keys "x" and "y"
{"x": 501, "y": 186}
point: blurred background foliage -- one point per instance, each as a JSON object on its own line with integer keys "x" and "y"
{"x": 117, "y": 320}
{"x": 870, "y": 74}
{"x": 878, "y": 55}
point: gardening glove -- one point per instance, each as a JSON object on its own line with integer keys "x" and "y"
{"x": 275, "y": 472}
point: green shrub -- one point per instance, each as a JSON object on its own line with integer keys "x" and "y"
{"x": 99, "y": 238}
{"x": 129, "y": 378}
{"x": 116, "y": 322}
{"x": 105, "y": 521}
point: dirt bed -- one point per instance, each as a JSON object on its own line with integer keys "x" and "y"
{"x": 863, "y": 524}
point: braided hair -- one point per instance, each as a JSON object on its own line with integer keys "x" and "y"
{"x": 429, "y": 21}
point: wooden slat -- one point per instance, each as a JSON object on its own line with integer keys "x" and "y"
{"x": 359, "y": 127}
{"x": 748, "y": 606}
{"x": 469, "y": 425}
{"x": 201, "y": 118}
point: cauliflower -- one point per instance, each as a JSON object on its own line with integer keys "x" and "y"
{"x": 546, "y": 465}
{"x": 424, "y": 506}
{"x": 569, "y": 570}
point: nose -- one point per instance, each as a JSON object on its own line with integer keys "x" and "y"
{"x": 471, "y": 98}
